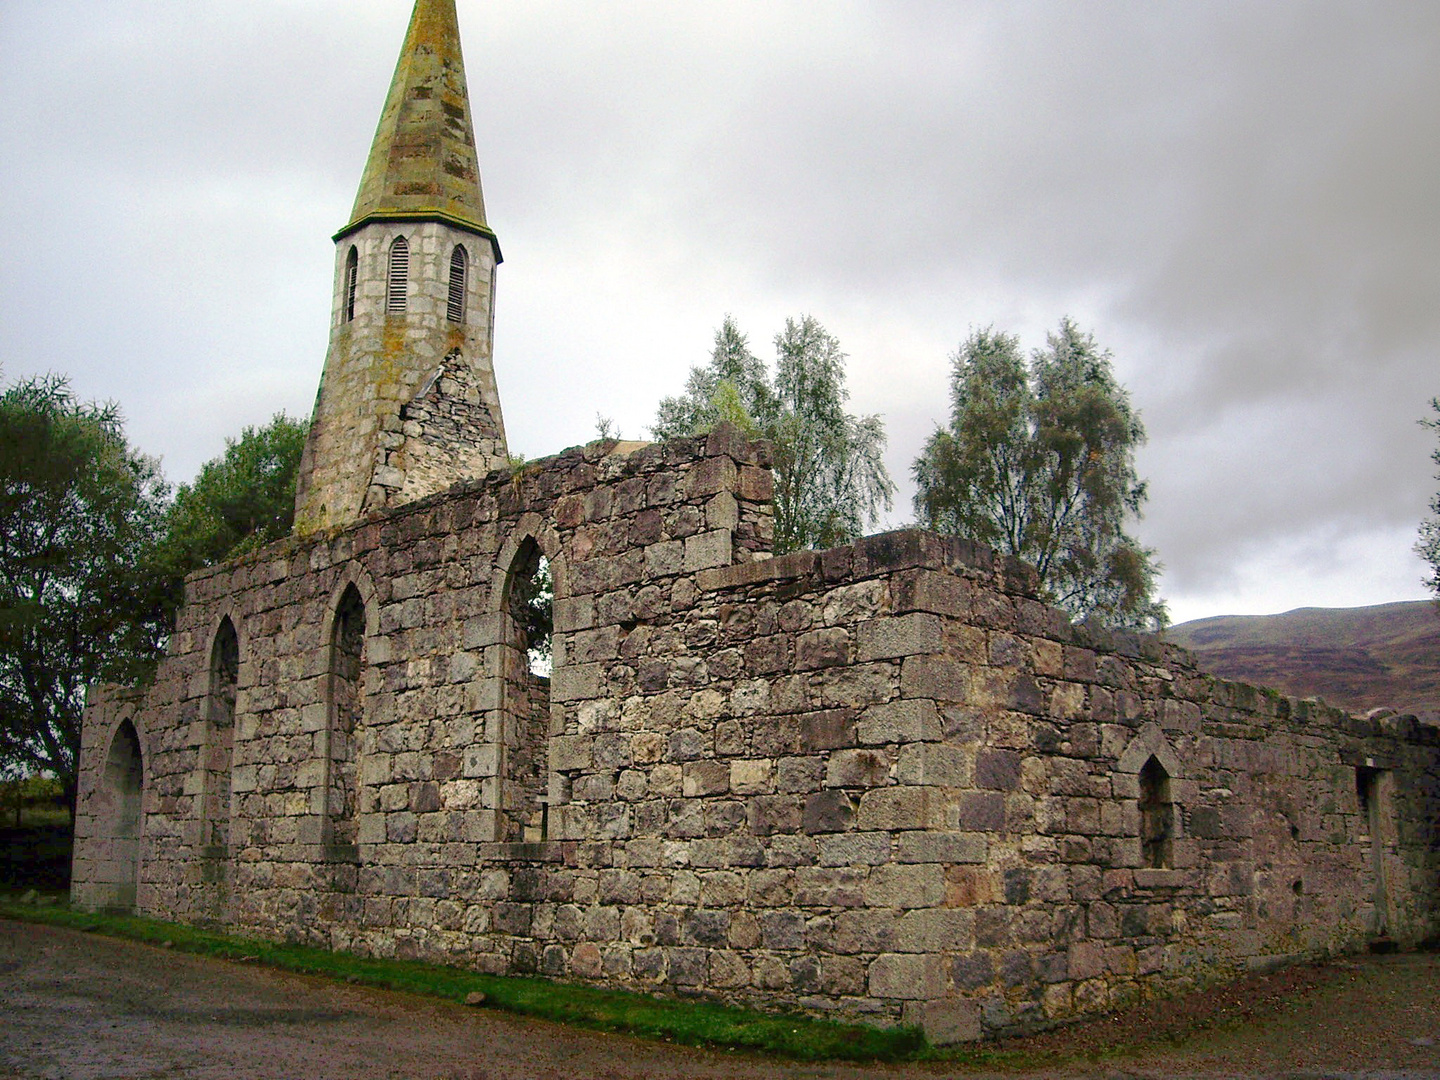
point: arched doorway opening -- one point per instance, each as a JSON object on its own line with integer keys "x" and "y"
{"x": 122, "y": 787}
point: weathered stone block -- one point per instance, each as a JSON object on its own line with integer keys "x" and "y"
{"x": 934, "y": 677}
{"x": 905, "y": 886}
{"x": 979, "y": 811}
{"x": 705, "y": 778}
{"x": 576, "y": 682}
{"x": 828, "y": 812}
{"x": 948, "y": 1021}
{"x": 827, "y": 730}
{"x": 829, "y": 887}
{"x": 480, "y": 761}
{"x": 857, "y": 769}
{"x": 854, "y": 849}
{"x": 799, "y": 774}
{"x": 773, "y": 814}
{"x": 929, "y": 591}
{"x": 665, "y": 558}
{"x": 942, "y": 847}
{"x": 571, "y": 752}
{"x": 766, "y": 655}
{"x": 997, "y": 770}
{"x": 898, "y": 808}
{"x": 709, "y": 549}
{"x": 752, "y": 777}
{"x": 686, "y": 744}
{"x": 755, "y": 485}
{"x": 898, "y": 722}
{"x": 907, "y": 977}
{"x": 905, "y": 635}
{"x": 822, "y": 648}
{"x": 935, "y": 764}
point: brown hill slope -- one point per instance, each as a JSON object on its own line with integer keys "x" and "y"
{"x": 1356, "y": 658}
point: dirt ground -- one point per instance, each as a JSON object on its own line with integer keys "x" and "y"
{"x": 78, "y": 1006}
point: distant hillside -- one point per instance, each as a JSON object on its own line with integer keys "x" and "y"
{"x": 1356, "y": 658}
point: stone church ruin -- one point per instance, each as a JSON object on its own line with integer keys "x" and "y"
{"x": 883, "y": 782}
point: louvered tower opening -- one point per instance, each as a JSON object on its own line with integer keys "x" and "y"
{"x": 399, "y": 281}
{"x": 352, "y": 277}
{"x": 455, "y": 308}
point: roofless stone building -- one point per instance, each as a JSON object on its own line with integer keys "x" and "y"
{"x": 884, "y": 782}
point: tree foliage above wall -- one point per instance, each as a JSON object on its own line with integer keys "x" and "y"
{"x": 239, "y": 502}
{"x": 80, "y": 513}
{"x": 830, "y": 478}
{"x": 94, "y": 553}
{"x": 1038, "y": 461}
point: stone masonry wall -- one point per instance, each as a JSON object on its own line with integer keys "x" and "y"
{"x": 447, "y": 431}
{"x": 883, "y": 782}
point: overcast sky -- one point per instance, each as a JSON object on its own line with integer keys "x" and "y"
{"x": 1241, "y": 201}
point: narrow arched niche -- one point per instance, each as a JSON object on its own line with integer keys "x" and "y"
{"x": 526, "y": 670}
{"x": 1157, "y": 815}
{"x": 217, "y": 756}
{"x": 345, "y": 703}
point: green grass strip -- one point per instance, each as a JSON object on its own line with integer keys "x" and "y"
{"x": 693, "y": 1023}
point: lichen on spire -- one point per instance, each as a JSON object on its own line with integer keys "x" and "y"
{"x": 423, "y": 161}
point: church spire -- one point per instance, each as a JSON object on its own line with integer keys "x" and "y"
{"x": 407, "y": 404}
{"x": 423, "y": 163}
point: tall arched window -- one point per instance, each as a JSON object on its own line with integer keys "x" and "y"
{"x": 527, "y": 668}
{"x": 398, "y": 297}
{"x": 455, "y": 308}
{"x": 352, "y": 277}
{"x": 219, "y": 738}
{"x": 1157, "y": 814}
{"x": 347, "y": 665}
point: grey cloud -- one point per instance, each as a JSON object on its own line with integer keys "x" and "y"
{"x": 1238, "y": 199}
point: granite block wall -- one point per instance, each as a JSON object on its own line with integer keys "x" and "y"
{"x": 882, "y": 782}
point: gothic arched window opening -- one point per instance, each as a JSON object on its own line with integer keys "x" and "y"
{"x": 1157, "y": 815}
{"x": 352, "y": 278}
{"x": 529, "y": 658}
{"x": 346, "y": 674}
{"x": 398, "y": 296}
{"x": 219, "y": 737}
{"x": 455, "y": 305}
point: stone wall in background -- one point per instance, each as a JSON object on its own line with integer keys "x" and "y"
{"x": 883, "y": 782}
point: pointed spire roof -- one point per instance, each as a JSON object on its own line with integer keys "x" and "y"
{"x": 423, "y": 165}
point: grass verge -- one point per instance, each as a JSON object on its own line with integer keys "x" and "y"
{"x": 693, "y": 1023}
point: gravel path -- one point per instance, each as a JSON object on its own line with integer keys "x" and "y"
{"x": 78, "y": 1006}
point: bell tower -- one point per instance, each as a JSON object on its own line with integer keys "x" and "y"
{"x": 407, "y": 403}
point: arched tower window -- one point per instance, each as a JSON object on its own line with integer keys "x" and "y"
{"x": 455, "y": 307}
{"x": 398, "y": 296}
{"x": 219, "y": 738}
{"x": 1157, "y": 814}
{"x": 352, "y": 277}
{"x": 346, "y": 671}
{"x": 526, "y": 720}
{"x": 490, "y": 311}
